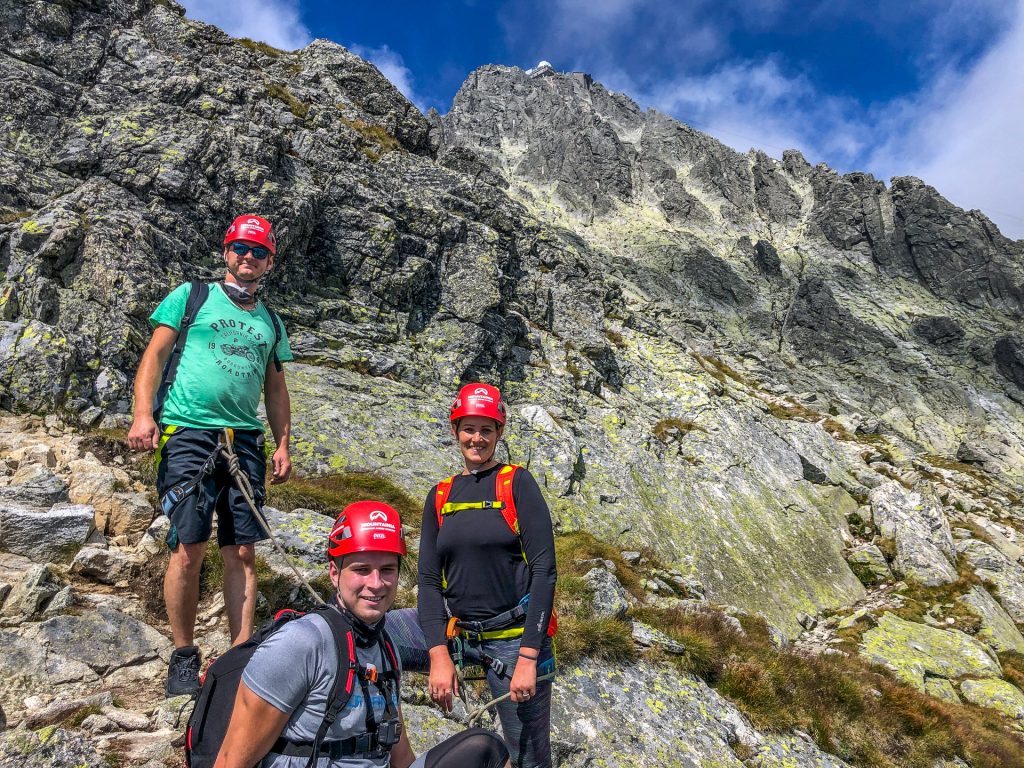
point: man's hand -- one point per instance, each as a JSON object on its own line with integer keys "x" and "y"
{"x": 281, "y": 465}
{"x": 144, "y": 434}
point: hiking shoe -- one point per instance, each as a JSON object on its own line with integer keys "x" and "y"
{"x": 183, "y": 672}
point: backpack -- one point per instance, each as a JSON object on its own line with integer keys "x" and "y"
{"x": 198, "y": 293}
{"x": 504, "y": 501}
{"x": 208, "y": 723}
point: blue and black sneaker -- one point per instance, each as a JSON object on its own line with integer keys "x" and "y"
{"x": 183, "y": 672}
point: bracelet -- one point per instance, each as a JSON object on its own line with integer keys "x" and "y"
{"x": 526, "y": 656}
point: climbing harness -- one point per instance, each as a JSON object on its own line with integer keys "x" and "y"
{"x": 225, "y": 447}
{"x": 505, "y": 625}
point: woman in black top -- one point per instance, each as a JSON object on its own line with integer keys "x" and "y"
{"x": 498, "y": 583}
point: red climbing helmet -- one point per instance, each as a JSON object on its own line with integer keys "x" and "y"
{"x": 478, "y": 400}
{"x": 253, "y": 228}
{"x": 366, "y": 526}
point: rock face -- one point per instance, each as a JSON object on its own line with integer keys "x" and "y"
{"x": 719, "y": 356}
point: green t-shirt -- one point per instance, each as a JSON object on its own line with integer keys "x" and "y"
{"x": 219, "y": 380}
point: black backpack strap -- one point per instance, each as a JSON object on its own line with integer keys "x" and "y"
{"x": 277, "y": 337}
{"x": 198, "y": 292}
{"x": 341, "y": 689}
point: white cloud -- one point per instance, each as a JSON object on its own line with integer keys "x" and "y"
{"x": 276, "y": 22}
{"x": 964, "y": 135}
{"x": 392, "y": 66}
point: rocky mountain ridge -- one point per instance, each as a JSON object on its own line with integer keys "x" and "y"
{"x": 799, "y": 389}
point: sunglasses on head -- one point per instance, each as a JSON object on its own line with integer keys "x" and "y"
{"x": 258, "y": 251}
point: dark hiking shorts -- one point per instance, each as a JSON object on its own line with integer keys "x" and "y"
{"x": 188, "y": 458}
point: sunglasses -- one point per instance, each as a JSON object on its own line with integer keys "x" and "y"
{"x": 258, "y": 251}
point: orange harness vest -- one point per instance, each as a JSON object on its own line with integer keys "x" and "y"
{"x": 504, "y": 501}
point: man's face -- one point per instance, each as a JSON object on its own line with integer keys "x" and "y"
{"x": 246, "y": 267}
{"x": 366, "y": 583}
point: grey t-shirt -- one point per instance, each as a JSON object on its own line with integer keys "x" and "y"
{"x": 293, "y": 671}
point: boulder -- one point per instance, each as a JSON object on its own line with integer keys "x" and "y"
{"x": 26, "y": 667}
{"x": 302, "y": 532}
{"x": 104, "y": 488}
{"x": 868, "y": 562}
{"x": 913, "y": 651}
{"x": 648, "y": 637}
{"x": 45, "y": 536}
{"x": 916, "y": 522}
{"x": 35, "y": 484}
{"x": 104, "y": 639}
{"x": 104, "y": 565}
{"x": 997, "y": 628}
{"x": 995, "y": 694}
{"x": 610, "y": 598}
{"x": 993, "y": 567}
{"x": 30, "y": 596}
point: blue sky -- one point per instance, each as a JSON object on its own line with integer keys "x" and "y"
{"x": 918, "y": 87}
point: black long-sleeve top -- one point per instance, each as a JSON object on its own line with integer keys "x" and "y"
{"x": 482, "y": 559}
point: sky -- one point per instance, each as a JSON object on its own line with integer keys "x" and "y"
{"x": 925, "y": 88}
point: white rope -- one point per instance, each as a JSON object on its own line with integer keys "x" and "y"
{"x": 245, "y": 488}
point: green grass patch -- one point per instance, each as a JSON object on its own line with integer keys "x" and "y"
{"x": 1013, "y": 668}
{"x": 375, "y": 141}
{"x": 258, "y": 46}
{"x": 280, "y": 92}
{"x": 615, "y": 337}
{"x": 329, "y": 494}
{"x": 9, "y": 217}
{"x": 79, "y": 717}
{"x": 606, "y": 639}
{"x": 850, "y": 708}
{"x": 941, "y": 601}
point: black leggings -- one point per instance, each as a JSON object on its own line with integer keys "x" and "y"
{"x": 472, "y": 748}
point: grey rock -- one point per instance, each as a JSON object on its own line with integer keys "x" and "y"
{"x": 939, "y": 331}
{"x": 35, "y": 484}
{"x": 126, "y": 719}
{"x": 806, "y": 621}
{"x": 36, "y": 589}
{"x": 98, "y": 724}
{"x": 609, "y": 597}
{"x": 631, "y": 557}
{"x": 993, "y": 567}
{"x": 104, "y": 565}
{"x": 915, "y": 520}
{"x": 997, "y": 628}
{"x": 868, "y": 562}
{"x": 52, "y": 535}
{"x": 647, "y": 636}
{"x": 103, "y": 639}
{"x": 1008, "y": 354}
{"x": 941, "y": 688}
{"x": 60, "y": 602}
{"x": 781, "y": 751}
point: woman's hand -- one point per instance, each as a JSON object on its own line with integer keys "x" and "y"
{"x": 524, "y": 680}
{"x": 444, "y": 685}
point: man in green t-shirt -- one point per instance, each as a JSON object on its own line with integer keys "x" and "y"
{"x": 231, "y": 356}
